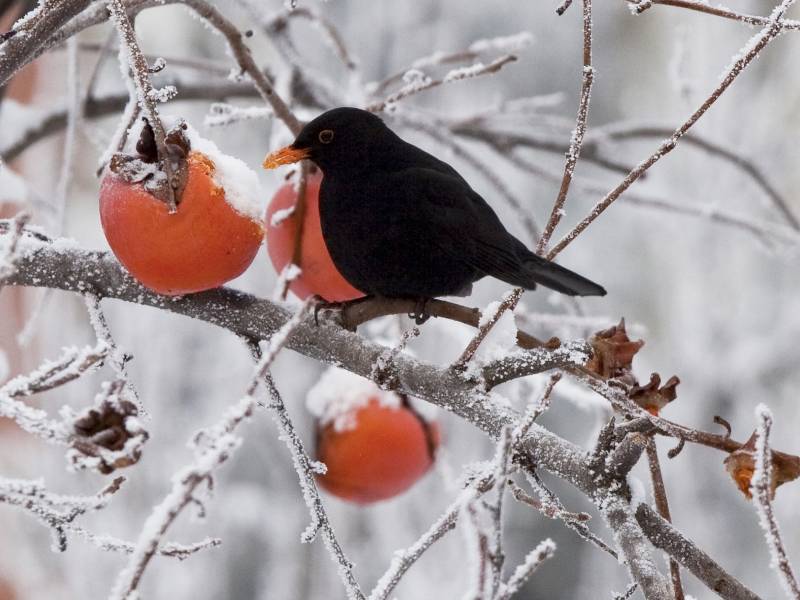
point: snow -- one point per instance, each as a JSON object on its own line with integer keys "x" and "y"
{"x": 13, "y": 188}
{"x": 221, "y": 114}
{"x": 5, "y": 368}
{"x": 509, "y": 43}
{"x": 242, "y": 188}
{"x": 465, "y": 72}
{"x": 164, "y": 94}
{"x": 339, "y": 393}
{"x": 279, "y": 216}
{"x": 501, "y": 338}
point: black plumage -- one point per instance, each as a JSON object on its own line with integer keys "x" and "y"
{"x": 400, "y": 223}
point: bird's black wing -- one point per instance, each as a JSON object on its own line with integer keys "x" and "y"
{"x": 469, "y": 231}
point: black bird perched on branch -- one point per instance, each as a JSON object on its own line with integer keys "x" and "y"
{"x": 400, "y": 223}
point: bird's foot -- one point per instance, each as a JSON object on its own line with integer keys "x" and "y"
{"x": 420, "y": 313}
{"x": 320, "y": 305}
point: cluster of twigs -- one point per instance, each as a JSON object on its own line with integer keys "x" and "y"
{"x": 108, "y": 436}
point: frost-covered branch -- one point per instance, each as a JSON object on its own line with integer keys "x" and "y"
{"x": 8, "y": 253}
{"x": 489, "y": 319}
{"x": 56, "y": 511}
{"x": 403, "y": 560}
{"x": 762, "y": 491}
{"x": 244, "y": 59}
{"x": 508, "y": 43}
{"x": 523, "y": 572}
{"x": 416, "y": 81}
{"x": 131, "y": 57}
{"x": 662, "y": 504}
{"x": 117, "y": 358}
{"x": 738, "y": 159}
{"x": 576, "y": 139}
{"x": 639, "y": 6}
{"x": 746, "y": 55}
{"x": 213, "y": 446}
{"x": 665, "y": 537}
{"x": 306, "y": 469}
{"x": 18, "y": 50}
{"x": 69, "y": 366}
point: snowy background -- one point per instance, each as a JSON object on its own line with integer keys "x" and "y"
{"x": 716, "y": 303}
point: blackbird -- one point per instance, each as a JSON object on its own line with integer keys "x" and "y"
{"x": 400, "y": 223}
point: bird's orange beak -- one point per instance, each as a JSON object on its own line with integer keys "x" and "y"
{"x": 285, "y": 156}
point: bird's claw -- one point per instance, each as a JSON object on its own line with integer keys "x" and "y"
{"x": 321, "y": 304}
{"x": 420, "y": 314}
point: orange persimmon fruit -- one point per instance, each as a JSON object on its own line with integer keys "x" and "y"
{"x": 202, "y": 245}
{"x": 382, "y": 453}
{"x": 318, "y": 273}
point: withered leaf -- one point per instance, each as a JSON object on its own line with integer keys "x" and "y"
{"x": 741, "y": 464}
{"x": 653, "y": 396}
{"x": 613, "y": 351}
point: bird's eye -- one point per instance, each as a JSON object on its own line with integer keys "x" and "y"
{"x": 326, "y": 136}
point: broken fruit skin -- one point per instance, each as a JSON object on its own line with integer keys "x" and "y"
{"x": 319, "y": 276}
{"x": 385, "y": 453}
{"x": 204, "y": 244}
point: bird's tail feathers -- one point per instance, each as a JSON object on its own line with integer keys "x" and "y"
{"x": 553, "y": 276}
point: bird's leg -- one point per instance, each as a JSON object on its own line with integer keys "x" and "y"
{"x": 420, "y": 314}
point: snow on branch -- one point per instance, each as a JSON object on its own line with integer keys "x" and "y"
{"x": 508, "y": 44}
{"x": 213, "y": 446}
{"x": 416, "y": 81}
{"x": 741, "y": 60}
{"x": 117, "y": 358}
{"x": 8, "y": 253}
{"x": 72, "y": 363}
{"x": 221, "y": 114}
{"x": 761, "y": 487}
{"x": 639, "y": 6}
{"x": 306, "y": 469}
{"x": 480, "y": 483}
{"x": 523, "y": 572}
{"x": 576, "y": 139}
{"x": 131, "y": 58}
{"x": 54, "y": 510}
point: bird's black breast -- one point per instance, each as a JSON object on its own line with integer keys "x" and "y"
{"x": 384, "y": 239}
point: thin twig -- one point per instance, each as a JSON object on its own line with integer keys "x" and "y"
{"x": 426, "y": 83}
{"x": 761, "y": 487}
{"x": 576, "y": 140}
{"x": 509, "y": 302}
{"x": 131, "y": 55}
{"x": 662, "y": 505}
{"x": 404, "y": 559}
{"x": 717, "y": 11}
{"x": 244, "y": 58}
{"x": 305, "y": 472}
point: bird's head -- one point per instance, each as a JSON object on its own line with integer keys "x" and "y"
{"x": 340, "y": 140}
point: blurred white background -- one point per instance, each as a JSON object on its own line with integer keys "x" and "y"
{"x": 717, "y": 305}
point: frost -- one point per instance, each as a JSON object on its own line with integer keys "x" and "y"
{"x": 13, "y": 188}
{"x": 509, "y": 43}
{"x": 339, "y": 394}
{"x": 279, "y": 216}
{"x": 638, "y": 491}
{"x": 164, "y": 94}
{"x": 5, "y": 368}
{"x": 224, "y": 114}
{"x": 465, "y": 72}
{"x": 501, "y": 338}
{"x": 287, "y": 275}
{"x": 242, "y": 188}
